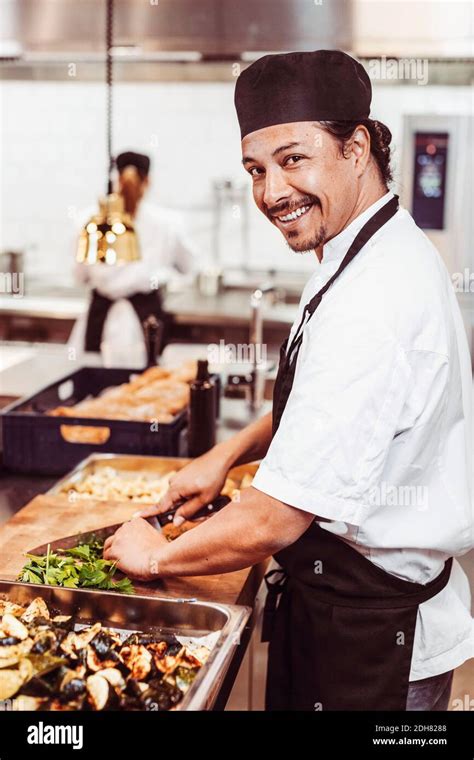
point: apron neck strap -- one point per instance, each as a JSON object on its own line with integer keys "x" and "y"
{"x": 381, "y": 217}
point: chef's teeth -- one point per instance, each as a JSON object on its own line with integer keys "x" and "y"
{"x": 295, "y": 214}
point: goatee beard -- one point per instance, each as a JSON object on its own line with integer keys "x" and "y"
{"x": 309, "y": 245}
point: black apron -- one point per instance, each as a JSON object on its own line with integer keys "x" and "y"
{"x": 145, "y": 305}
{"x": 341, "y": 636}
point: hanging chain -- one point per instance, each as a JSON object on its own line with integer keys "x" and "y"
{"x": 109, "y": 42}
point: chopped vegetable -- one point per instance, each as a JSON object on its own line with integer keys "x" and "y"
{"x": 80, "y": 567}
{"x": 66, "y": 665}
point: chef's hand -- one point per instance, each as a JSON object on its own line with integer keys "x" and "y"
{"x": 135, "y": 546}
{"x": 197, "y": 484}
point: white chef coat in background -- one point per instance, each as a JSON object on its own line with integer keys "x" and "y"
{"x": 167, "y": 256}
{"x": 381, "y": 400}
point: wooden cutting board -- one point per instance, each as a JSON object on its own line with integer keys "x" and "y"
{"x": 49, "y": 517}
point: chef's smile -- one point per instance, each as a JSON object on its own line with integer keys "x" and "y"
{"x": 297, "y": 222}
{"x": 291, "y": 218}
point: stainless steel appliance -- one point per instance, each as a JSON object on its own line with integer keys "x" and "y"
{"x": 437, "y": 189}
{"x": 437, "y": 182}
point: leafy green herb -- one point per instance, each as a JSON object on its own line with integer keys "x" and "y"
{"x": 80, "y": 567}
{"x": 83, "y": 551}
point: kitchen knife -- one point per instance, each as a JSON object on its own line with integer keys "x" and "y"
{"x": 214, "y": 506}
{"x": 100, "y": 534}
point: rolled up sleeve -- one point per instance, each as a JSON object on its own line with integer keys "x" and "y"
{"x": 350, "y": 386}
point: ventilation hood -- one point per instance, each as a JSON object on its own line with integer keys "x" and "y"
{"x": 208, "y": 29}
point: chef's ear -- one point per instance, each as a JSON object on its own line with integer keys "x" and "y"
{"x": 360, "y": 148}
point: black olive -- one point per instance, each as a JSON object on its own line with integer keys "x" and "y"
{"x": 9, "y": 641}
{"x": 173, "y": 649}
{"x": 102, "y": 644}
{"x": 42, "y": 645}
{"x": 73, "y": 689}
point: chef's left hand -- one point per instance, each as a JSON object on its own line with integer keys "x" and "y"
{"x": 135, "y": 546}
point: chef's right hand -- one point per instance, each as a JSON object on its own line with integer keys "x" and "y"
{"x": 197, "y": 484}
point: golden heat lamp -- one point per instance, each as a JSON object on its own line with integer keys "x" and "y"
{"x": 109, "y": 237}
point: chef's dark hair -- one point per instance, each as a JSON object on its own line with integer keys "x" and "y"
{"x": 140, "y": 161}
{"x": 380, "y": 139}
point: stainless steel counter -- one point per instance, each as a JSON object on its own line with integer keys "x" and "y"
{"x": 233, "y": 306}
{"x": 188, "y": 307}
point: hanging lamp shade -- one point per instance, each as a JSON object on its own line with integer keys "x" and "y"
{"x": 109, "y": 237}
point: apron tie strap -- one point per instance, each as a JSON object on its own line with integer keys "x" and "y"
{"x": 274, "y": 589}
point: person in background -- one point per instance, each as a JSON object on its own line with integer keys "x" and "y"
{"x": 123, "y": 296}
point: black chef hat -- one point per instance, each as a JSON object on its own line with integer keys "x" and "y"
{"x": 288, "y": 87}
{"x": 139, "y": 160}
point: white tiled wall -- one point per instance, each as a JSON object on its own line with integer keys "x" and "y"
{"x": 53, "y": 158}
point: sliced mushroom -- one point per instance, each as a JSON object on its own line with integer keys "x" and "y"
{"x": 11, "y": 626}
{"x": 37, "y": 608}
{"x": 138, "y": 660}
{"x": 100, "y": 694}
{"x": 115, "y": 678}
{"x": 74, "y": 642}
{"x": 10, "y": 608}
{"x": 12, "y": 680}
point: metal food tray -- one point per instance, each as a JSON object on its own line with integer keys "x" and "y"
{"x": 134, "y": 463}
{"x": 183, "y": 617}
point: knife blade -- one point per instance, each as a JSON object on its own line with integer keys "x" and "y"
{"x": 100, "y": 534}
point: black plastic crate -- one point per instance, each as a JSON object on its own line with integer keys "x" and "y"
{"x": 33, "y": 443}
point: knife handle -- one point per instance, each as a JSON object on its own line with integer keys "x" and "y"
{"x": 208, "y": 509}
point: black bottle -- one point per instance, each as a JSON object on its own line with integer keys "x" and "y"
{"x": 153, "y": 329}
{"x": 202, "y": 412}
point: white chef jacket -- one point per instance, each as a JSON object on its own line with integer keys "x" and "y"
{"x": 166, "y": 255}
{"x": 376, "y": 433}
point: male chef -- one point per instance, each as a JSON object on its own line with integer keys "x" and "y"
{"x": 362, "y": 495}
